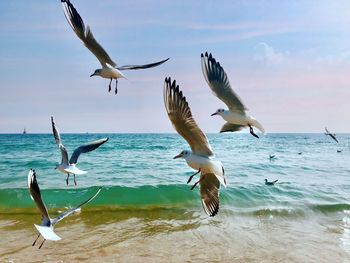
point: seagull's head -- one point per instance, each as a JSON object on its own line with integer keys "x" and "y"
{"x": 96, "y": 73}
{"x": 265, "y": 180}
{"x": 219, "y": 112}
{"x": 183, "y": 154}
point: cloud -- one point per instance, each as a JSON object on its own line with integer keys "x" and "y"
{"x": 338, "y": 59}
{"x": 267, "y": 54}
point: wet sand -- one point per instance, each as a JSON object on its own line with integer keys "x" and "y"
{"x": 176, "y": 235}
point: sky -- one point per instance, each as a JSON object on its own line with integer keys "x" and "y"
{"x": 289, "y": 61}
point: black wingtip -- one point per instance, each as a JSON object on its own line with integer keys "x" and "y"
{"x": 214, "y": 213}
{"x": 167, "y": 80}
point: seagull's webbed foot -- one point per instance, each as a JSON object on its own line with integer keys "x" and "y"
{"x": 252, "y": 131}
{"x": 190, "y": 179}
{"x": 110, "y": 85}
{"x": 196, "y": 183}
{"x": 42, "y": 243}
{"x": 35, "y": 240}
{"x": 67, "y": 179}
{"x": 75, "y": 182}
{"x": 116, "y": 87}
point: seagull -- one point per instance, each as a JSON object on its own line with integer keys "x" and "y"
{"x": 69, "y": 167}
{"x": 270, "y": 183}
{"x": 236, "y": 117}
{"x": 272, "y": 157}
{"x": 332, "y": 135}
{"x": 109, "y": 69}
{"x": 199, "y": 158}
{"x": 47, "y": 223}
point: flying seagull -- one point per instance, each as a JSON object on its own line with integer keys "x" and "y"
{"x": 212, "y": 172}
{"x": 69, "y": 167}
{"x": 109, "y": 69}
{"x": 332, "y": 135}
{"x": 236, "y": 117}
{"x": 272, "y": 157}
{"x": 47, "y": 223}
{"x": 270, "y": 183}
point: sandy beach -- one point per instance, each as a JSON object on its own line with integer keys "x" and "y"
{"x": 164, "y": 235}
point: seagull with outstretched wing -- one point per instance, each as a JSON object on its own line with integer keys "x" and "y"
{"x": 270, "y": 183}
{"x": 332, "y": 135}
{"x": 236, "y": 117}
{"x": 200, "y": 156}
{"x": 69, "y": 166}
{"x": 110, "y": 69}
{"x": 46, "y": 229}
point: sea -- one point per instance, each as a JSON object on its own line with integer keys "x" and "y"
{"x": 146, "y": 212}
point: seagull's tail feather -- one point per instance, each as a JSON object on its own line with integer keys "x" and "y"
{"x": 257, "y": 124}
{"x": 47, "y": 233}
{"x": 133, "y": 67}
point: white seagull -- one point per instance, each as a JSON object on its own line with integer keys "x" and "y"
{"x": 47, "y": 223}
{"x": 109, "y": 69}
{"x": 212, "y": 171}
{"x": 236, "y": 117}
{"x": 69, "y": 167}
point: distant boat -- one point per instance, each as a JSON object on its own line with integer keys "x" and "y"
{"x": 24, "y": 131}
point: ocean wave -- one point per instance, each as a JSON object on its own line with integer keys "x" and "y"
{"x": 253, "y": 201}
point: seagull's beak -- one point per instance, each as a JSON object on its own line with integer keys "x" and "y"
{"x": 177, "y": 156}
{"x": 215, "y": 113}
{"x": 93, "y": 74}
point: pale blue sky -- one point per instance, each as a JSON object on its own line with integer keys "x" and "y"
{"x": 288, "y": 60}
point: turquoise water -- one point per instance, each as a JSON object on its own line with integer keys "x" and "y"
{"x": 137, "y": 171}
{"x": 147, "y": 213}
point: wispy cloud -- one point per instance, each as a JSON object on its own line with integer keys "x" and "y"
{"x": 267, "y": 54}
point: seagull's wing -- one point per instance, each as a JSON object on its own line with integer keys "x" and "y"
{"x": 58, "y": 140}
{"x": 73, "y": 210}
{"x": 64, "y": 154}
{"x": 209, "y": 190}
{"x": 129, "y": 67}
{"x": 217, "y": 80}
{"x": 86, "y": 148}
{"x": 85, "y": 34}
{"x": 180, "y": 115}
{"x": 34, "y": 192}
{"x": 327, "y": 131}
{"x": 56, "y": 133}
{"x": 229, "y": 127}
{"x": 333, "y": 137}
